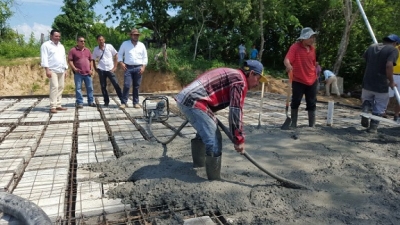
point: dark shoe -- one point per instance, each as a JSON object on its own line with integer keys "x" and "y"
{"x": 53, "y": 110}
{"x": 396, "y": 119}
{"x": 293, "y": 116}
{"x": 61, "y": 108}
{"x": 213, "y": 167}
{"x": 311, "y": 118}
{"x": 92, "y": 104}
{"x": 373, "y": 126}
{"x": 364, "y": 122}
{"x": 79, "y": 106}
{"x": 106, "y": 105}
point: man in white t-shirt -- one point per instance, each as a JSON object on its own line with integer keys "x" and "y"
{"x": 330, "y": 78}
{"x": 242, "y": 53}
{"x": 107, "y": 58}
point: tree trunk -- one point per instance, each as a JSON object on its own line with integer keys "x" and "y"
{"x": 260, "y": 53}
{"x": 350, "y": 18}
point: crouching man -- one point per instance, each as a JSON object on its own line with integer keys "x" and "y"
{"x": 212, "y": 91}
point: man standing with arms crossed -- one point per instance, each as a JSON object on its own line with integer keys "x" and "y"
{"x": 108, "y": 62}
{"x": 80, "y": 59}
{"x": 53, "y": 59}
{"x": 132, "y": 56}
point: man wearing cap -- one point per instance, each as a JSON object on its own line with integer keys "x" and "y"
{"x": 301, "y": 60}
{"x": 132, "y": 57}
{"x": 380, "y": 59}
{"x": 212, "y": 91}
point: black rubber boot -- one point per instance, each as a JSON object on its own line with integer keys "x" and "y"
{"x": 373, "y": 126}
{"x": 311, "y": 118}
{"x": 213, "y": 167}
{"x": 293, "y": 115}
{"x": 198, "y": 152}
{"x": 366, "y": 108}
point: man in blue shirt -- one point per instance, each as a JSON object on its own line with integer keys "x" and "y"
{"x": 254, "y": 52}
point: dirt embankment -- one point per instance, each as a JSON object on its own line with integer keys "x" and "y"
{"x": 29, "y": 78}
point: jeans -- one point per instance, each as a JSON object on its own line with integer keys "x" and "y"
{"x": 78, "y": 78}
{"x": 131, "y": 76}
{"x": 379, "y": 101}
{"x": 310, "y": 92}
{"x": 103, "y": 83}
{"x": 241, "y": 58}
{"x": 206, "y": 128}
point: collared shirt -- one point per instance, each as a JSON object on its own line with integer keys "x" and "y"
{"x": 215, "y": 90}
{"x": 53, "y": 56}
{"x": 132, "y": 55}
{"x": 303, "y": 62}
{"x": 106, "y": 62}
{"x": 328, "y": 73}
{"x": 81, "y": 59}
{"x": 242, "y": 49}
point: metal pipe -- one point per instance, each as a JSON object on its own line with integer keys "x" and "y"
{"x": 366, "y": 21}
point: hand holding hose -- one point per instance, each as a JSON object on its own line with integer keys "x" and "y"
{"x": 240, "y": 148}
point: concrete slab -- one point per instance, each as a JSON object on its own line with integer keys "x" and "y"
{"x": 18, "y": 143}
{"x": 50, "y": 150}
{"x": 204, "y": 220}
{"x": 49, "y": 162}
{"x": 11, "y": 165}
{"x": 14, "y": 153}
{"x": 93, "y": 157}
{"x": 94, "y": 146}
{"x": 5, "y": 180}
{"x": 92, "y": 200}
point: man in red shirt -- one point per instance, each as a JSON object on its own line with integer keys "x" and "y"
{"x": 301, "y": 59}
{"x": 212, "y": 91}
{"x": 80, "y": 58}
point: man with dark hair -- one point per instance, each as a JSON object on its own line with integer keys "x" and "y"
{"x": 212, "y": 91}
{"x": 132, "y": 56}
{"x": 107, "y": 57}
{"x": 378, "y": 76}
{"x": 301, "y": 59}
{"x": 53, "y": 59}
{"x": 80, "y": 59}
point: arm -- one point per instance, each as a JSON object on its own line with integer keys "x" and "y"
{"x": 389, "y": 73}
{"x": 115, "y": 62}
{"x": 288, "y": 65}
{"x": 145, "y": 59}
{"x": 121, "y": 53}
{"x": 237, "y": 94}
{"x": 45, "y": 60}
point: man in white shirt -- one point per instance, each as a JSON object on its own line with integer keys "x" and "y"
{"x": 330, "y": 78}
{"x": 132, "y": 57}
{"x": 53, "y": 59}
{"x": 107, "y": 57}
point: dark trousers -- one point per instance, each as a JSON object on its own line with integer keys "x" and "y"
{"x": 103, "y": 75}
{"x": 310, "y": 92}
{"x": 134, "y": 78}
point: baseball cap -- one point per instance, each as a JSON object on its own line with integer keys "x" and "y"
{"x": 392, "y": 38}
{"x": 257, "y": 67}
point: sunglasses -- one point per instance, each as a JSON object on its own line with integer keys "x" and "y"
{"x": 82, "y": 41}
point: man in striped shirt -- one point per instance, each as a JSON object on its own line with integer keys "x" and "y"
{"x": 212, "y": 91}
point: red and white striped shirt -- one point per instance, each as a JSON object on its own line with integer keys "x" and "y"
{"x": 215, "y": 90}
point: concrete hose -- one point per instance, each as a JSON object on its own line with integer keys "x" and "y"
{"x": 173, "y": 136}
{"x": 285, "y": 182}
{"x": 25, "y": 211}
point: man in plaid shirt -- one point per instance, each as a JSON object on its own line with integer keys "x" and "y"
{"x": 212, "y": 91}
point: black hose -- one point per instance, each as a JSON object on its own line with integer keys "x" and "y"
{"x": 23, "y": 210}
{"x": 172, "y": 138}
{"x": 283, "y": 181}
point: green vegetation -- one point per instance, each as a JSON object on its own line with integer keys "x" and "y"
{"x": 201, "y": 35}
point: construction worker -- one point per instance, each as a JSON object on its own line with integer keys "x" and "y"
{"x": 380, "y": 59}
{"x": 301, "y": 59}
{"x": 212, "y": 91}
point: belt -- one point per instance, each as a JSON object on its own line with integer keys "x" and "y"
{"x": 134, "y": 65}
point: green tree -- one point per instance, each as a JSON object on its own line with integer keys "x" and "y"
{"x": 5, "y": 14}
{"x": 77, "y": 19}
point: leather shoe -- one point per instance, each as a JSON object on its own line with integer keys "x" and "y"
{"x": 61, "y": 108}
{"x": 53, "y": 110}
